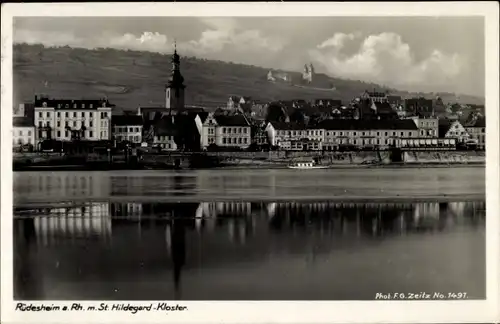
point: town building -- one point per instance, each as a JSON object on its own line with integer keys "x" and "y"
{"x": 420, "y": 107}
{"x": 374, "y": 96}
{"x": 224, "y": 131}
{"x": 428, "y": 127}
{"x": 366, "y": 133}
{"x": 476, "y": 128}
{"x": 23, "y": 132}
{"x": 333, "y": 103}
{"x": 294, "y": 136}
{"x": 453, "y": 129}
{"x": 164, "y": 134}
{"x": 127, "y": 128}
{"x": 66, "y": 119}
{"x": 394, "y": 101}
{"x": 259, "y": 134}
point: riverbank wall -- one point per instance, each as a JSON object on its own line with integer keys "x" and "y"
{"x": 276, "y": 159}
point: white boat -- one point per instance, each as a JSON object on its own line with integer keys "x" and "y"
{"x": 306, "y": 165}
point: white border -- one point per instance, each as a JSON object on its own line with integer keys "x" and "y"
{"x": 279, "y": 312}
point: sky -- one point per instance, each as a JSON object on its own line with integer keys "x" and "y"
{"x": 431, "y": 54}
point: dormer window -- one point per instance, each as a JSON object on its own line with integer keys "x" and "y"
{"x": 58, "y": 105}
{"x": 74, "y": 105}
{"x": 44, "y": 105}
{"x": 83, "y": 105}
{"x": 67, "y": 105}
{"x": 91, "y": 106}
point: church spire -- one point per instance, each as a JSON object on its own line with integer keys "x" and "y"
{"x": 176, "y": 80}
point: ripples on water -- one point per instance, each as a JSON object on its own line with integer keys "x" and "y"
{"x": 248, "y": 250}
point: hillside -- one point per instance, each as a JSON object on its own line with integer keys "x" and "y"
{"x": 131, "y": 78}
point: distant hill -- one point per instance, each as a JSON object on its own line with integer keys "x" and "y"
{"x": 131, "y": 78}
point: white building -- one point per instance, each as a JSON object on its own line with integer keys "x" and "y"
{"x": 64, "y": 120}
{"x": 427, "y": 127}
{"x": 295, "y": 137}
{"x": 127, "y": 128}
{"x": 224, "y": 131}
{"x": 23, "y": 132}
{"x": 367, "y": 133}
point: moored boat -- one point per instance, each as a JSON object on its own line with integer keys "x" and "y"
{"x": 306, "y": 165}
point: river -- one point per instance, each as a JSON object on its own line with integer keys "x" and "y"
{"x": 249, "y": 234}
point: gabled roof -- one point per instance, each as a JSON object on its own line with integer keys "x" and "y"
{"x": 203, "y": 116}
{"x": 235, "y": 120}
{"x": 126, "y": 120}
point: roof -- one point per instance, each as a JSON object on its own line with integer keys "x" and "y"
{"x": 235, "y": 120}
{"x": 287, "y": 126}
{"x": 384, "y": 108}
{"x": 22, "y": 122}
{"x": 329, "y": 102}
{"x": 203, "y": 116}
{"x": 125, "y": 120}
{"x": 443, "y": 126}
{"x": 394, "y": 99}
{"x": 476, "y": 122}
{"x": 70, "y": 103}
{"x": 376, "y": 94}
{"x": 164, "y": 127}
{"x": 358, "y": 124}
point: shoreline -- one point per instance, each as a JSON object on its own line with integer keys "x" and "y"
{"x": 264, "y": 199}
{"x": 239, "y": 166}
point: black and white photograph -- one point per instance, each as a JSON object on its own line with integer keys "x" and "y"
{"x": 157, "y": 158}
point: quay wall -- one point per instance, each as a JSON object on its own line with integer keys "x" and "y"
{"x": 280, "y": 157}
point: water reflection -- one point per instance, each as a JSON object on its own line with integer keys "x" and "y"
{"x": 61, "y": 250}
{"x": 255, "y": 185}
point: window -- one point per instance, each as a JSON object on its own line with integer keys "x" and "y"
{"x": 245, "y": 130}
{"x": 29, "y": 140}
{"x": 91, "y": 134}
{"x": 240, "y": 140}
{"x": 59, "y": 106}
{"x": 354, "y": 133}
{"x": 66, "y": 133}
{"x": 66, "y": 114}
{"x": 29, "y": 133}
{"x": 91, "y": 124}
{"x": 74, "y": 105}
{"x": 58, "y": 133}
{"x": 58, "y": 114}
{"x": 245, "y": 140}
{"x": 67, "y": 106}
{"x": 90, "y": 113}
{"x": 74, "y": 123}
{"x": 131, "y": 129}
{"x": 83, "y": 105}
{"x": 40, "y": 115}
{"x": 20, "y": 133}
{"x": 74, "y": 114}
{"x": 58, "y": 124}
{"x": 224, "y": 140}
{"x": 48, "y": 124}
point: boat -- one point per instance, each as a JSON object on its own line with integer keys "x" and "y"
{"x": 306, "y": 165}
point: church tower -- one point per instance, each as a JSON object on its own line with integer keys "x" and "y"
{"x": 174, "y": 91}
